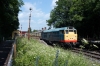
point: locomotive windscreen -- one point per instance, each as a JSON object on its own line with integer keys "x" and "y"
{"x": 71, "y": 30}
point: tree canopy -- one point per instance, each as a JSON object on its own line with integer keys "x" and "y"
{"x": 9, "y": 16}
{"x": 84, "y": 15}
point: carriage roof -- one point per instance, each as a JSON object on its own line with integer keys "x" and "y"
{"x": 58, "y": 29}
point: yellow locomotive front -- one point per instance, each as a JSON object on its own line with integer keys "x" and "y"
{"x": 70, "y": 35}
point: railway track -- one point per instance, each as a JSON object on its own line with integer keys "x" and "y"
{"x": 92, "y": 54}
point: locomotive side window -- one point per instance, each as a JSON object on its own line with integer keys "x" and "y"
{"x": 75, "y": 31}
{"x": 62, "y": 31}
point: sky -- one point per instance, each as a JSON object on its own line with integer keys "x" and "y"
{"x": 40, "y": 13}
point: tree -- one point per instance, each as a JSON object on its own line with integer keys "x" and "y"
{"x": 9, "y": 17}
{"x": 60, "y": 16}
{"x": 82, "y": 14}
{"x": 35, "y": 30}
{"x": 86, "y": 17}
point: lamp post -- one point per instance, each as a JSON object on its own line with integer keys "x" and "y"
{"x": 29, "y": 23}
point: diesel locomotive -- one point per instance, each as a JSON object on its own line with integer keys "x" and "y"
{"x": 65, "y": 35}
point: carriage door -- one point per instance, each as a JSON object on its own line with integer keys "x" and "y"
{"x": 61, "y": 35}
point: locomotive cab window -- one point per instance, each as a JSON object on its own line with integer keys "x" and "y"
{"x": 66, "y": 31}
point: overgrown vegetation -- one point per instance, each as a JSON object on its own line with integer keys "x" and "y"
{"x": 33, "y": 53}
{"x": 90, "y": 46}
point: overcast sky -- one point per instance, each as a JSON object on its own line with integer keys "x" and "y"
{"x": 40, "y": 13}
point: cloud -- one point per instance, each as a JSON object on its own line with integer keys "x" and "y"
{"x": 38, "y": 17}
{"x": 53, "y": 3}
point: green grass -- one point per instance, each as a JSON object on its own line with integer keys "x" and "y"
{"x": 33, "y": 53}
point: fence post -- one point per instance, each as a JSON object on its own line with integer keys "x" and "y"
{"x": 15, "y": 48}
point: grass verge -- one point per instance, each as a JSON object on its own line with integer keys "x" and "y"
{"x": 33, "y": 53}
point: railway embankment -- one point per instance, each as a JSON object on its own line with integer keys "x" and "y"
{"x": 34, "y": 53}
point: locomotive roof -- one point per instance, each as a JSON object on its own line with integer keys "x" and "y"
{"x": 58, "y": 29}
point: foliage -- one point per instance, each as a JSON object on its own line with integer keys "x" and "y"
{"x": 88, "y": 45}
{"x": 84, "y": 41}
{"x": 82, "y": 14}
{"x": 35, "y": 30}
{"x": 9, "y": 16}
{"x": 33, "y": 53}
{"x": 60, "y": 14}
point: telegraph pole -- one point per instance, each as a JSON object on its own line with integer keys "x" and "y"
{"x": 29, "y": 23}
